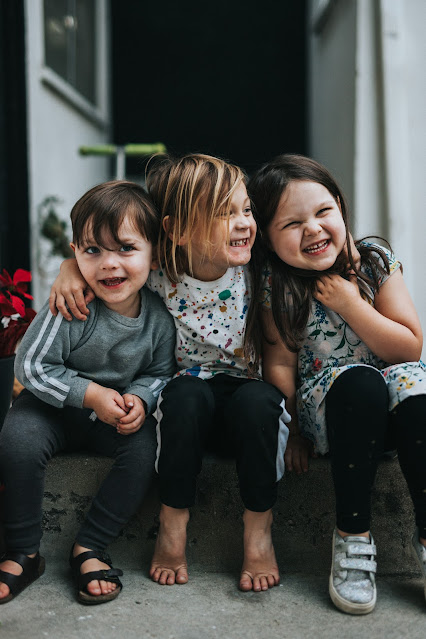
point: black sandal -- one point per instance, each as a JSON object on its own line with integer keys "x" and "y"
{"x": 82, "y": 580}
{"x": 32, "y": 569}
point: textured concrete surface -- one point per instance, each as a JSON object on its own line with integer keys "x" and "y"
{"x": 210, "y": 607}
{"x": 304, "y": 517}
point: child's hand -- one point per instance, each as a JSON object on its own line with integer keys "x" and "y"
{"x": 336, "y": 292}
{"x": 107, "y": 403}
{"x": 70, "y": 291}
{"x": 297, "y": 453}
{"x": 135, "y": 416}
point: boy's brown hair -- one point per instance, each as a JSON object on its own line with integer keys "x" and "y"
{"x": 104, "y": 207}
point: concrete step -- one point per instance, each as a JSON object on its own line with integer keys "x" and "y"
{"x": 303, "y": 517}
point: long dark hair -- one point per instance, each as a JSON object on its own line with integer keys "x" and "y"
{"x": 291, "y": 288}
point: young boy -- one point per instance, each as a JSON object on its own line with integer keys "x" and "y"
{"x": 90, "y": 385}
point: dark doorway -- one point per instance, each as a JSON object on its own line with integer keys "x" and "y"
{"x": 14, "y": 213}
{"x": 225, "y": 77}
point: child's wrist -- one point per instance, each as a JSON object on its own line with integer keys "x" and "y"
{"x": 91, "y": 395}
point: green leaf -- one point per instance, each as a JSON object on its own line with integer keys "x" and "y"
{"x": 341, "y": 345}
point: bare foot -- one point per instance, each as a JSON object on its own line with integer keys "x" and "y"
{"x": 260, "y": 569}
{"x": 168, "y": 565}
{"x": 14, "y": 569}
{"x": 94, "y": 587}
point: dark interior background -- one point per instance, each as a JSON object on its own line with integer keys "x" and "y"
{"x": 225, "y": 77}
{"x": 14, "y": 218}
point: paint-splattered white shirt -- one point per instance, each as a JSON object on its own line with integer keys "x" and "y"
{"x": 210, "y": 321}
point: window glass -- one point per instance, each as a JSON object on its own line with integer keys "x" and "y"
{"x": 70, "y": 43}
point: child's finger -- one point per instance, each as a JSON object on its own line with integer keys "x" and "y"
{"x": 297, "y": 466}
{"x": 57, "y": 304}
{"x": 129, "y": 400}
{"x": 80, "y": 304}
{"x": 128, "y": 418}
{"x": 89, "y": 296}
{"x": 118, "y": 399}
{"x": 305, "y": 461}
{"x": 123, "y": 429}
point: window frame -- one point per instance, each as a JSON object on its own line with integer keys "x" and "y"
{"x": 98, "y": 113}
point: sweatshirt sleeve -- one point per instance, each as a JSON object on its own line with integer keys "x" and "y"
{"x": 39, "y": 363}
{"x": 162, "y": 335}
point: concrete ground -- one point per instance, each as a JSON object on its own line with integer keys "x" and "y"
{"x": 210, "y": 607}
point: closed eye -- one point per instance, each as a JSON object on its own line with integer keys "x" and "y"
{"x": 324, "y": 211}
{"x": 290, "y": 224}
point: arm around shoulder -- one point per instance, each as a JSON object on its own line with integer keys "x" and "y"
{"x": 69, "y": 293}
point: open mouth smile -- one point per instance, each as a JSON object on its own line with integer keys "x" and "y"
{"x": 240, "y": 242}
{"x": 111, "y": 282}
{"x": 319, "y": 247}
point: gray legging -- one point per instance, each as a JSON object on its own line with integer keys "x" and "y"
{"x": 35, "y": 431}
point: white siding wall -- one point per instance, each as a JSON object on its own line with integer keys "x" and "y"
{"x": 332, "y": 92}
{"x": 55, "y": 131}
{"x": 367, "y": 102}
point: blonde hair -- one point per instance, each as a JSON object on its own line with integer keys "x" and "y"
{"x": 190, "y": 192}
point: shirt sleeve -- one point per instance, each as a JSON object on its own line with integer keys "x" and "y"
{"x": 149, "y": 385}
{"x": 163, "y": 366}
{"x": 39, "y": 364}
{"x": 394, "y": 265}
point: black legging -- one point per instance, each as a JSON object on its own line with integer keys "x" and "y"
{"x": 227, "y": 415}
{"x": 357, "y": 423}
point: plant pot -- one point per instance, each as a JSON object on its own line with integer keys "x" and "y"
{"x": 7, "y": 377}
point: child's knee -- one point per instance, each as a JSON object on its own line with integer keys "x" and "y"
{"x": 359, "y": 385}
{"x": 20, "y": 443}
{"x": 256, "y": 400}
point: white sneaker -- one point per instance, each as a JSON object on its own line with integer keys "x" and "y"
{"x": 419, "y": 553}
{"x": 352, "y": 585}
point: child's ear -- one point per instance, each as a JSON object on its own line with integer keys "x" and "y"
{"x": 338, "y": 203}
{"x": 154, "y": 264}
{"x": 72, "y": 245}
{"x": 166, "y": 226}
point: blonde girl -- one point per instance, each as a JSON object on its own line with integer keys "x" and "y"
{"x": 214, "y": 403}
{"x": 343, "y": 342}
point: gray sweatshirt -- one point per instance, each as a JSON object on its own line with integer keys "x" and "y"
{"x": 58, "y": 359}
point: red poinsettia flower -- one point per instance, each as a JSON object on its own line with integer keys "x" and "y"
{"x": 11, "y": 305}
{"x": 13, "y": 290}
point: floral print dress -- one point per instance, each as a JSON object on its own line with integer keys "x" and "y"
{"x": 331, "y": 347}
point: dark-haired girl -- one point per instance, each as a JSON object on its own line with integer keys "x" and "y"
{"x": 342, "y": 342}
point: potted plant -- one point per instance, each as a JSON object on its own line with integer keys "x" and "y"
{"x": 15, "y": 317}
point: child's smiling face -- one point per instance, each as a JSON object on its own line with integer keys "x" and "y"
{"x": 231, "y": 240}
{"x": 117, "y": 272}
{"x": 307, "y": 230}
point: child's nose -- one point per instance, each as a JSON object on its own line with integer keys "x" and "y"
{"x": 242, "y": 221}
{"x": 109, "y": 260}
{"x": 312, "y": 227}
